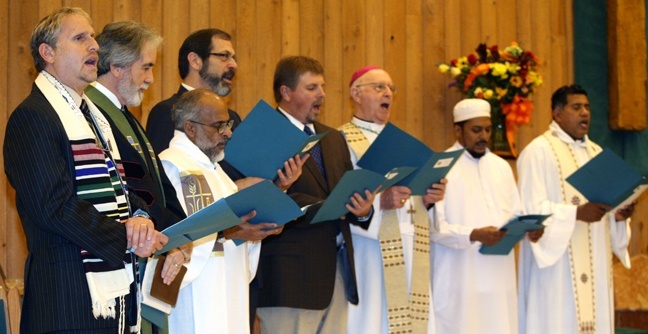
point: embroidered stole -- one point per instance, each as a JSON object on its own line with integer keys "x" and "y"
{"x": 580, "y": 246}
{"x": 98, "y": 181}
{"x": 405, "y": 315}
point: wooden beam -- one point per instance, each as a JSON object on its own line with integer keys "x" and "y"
{"x": 626, "y": 22}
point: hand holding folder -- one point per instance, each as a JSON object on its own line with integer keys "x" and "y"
{"x": 515, "y": 229}
{"x": 356, "y": 181}
{"x": 270, "y": 204}
{"x": 395, "y": 148}
{"x": 607, "y": 179}
{"x": 264, "y": 141}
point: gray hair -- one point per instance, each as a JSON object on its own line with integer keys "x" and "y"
{"x": 121, "y": 43}
{"x": 48, "y": 30}
{"x": 188, "y": 107}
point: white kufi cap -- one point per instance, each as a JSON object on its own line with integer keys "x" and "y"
{"x": 471, "y": 108}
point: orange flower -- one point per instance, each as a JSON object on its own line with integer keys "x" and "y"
{"x": 474, "y": 73}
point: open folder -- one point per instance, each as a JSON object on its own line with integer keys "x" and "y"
{"x": 356, "y": 181}
{"x": 608, "y": 179}
{"x": 264, "y": 141}
{"x": 271, "y": 204}
{"x": 515, "y": 230}
{"x": 395, "y": 148}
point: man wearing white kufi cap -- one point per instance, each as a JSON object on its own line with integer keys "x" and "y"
{"x": 474, "y": 293}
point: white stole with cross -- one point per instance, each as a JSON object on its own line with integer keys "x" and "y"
{"x": 580, "y": 246}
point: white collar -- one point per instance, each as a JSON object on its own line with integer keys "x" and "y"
{"x": 108, "y": 93}
{"x": 562, "y": 135}
{"x": 369, "y": 126}
{"x": 182, "y": 142}
{"x": 296, "y": 122}
{"x": 187, "y": 87}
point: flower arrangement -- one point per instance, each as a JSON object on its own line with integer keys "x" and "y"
{"x": 505, "y": 79}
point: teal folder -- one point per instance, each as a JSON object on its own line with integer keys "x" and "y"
{"x": 271, "y": 204}
{"x": 395, "y": 148}
{"x": 515, "y": 229}
{"x": 608, "y": 179}
{"x": 356, "y": 181}
{"x": 264, "y": 141}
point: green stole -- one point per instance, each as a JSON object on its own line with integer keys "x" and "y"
{"x": 406, "y": 314}
{"x": 124, "y": 126}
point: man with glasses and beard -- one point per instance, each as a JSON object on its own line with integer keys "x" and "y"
{"x": 206, "y": 60}
{"x": 127, "y": 52}
{"x": 214, "y": 293}
{"x": 474, "y": 293}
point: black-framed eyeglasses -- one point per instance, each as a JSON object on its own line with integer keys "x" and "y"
{"x": 225, "y": 56}
{"x": 219, "y": 126}
{"x": 380, "y": 86}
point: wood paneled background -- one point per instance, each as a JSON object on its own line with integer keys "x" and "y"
{"x": 406, "y": 37}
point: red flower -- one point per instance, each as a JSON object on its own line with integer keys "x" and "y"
{"x": 453, "y": 63}
{"x": 472, "y": 59}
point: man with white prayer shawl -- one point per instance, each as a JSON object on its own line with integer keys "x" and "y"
{"x": 565, "y": 282}
{"x": 472, "y": 292}
{"x": 383, "y": 286}
{"x": 214, "y": 292}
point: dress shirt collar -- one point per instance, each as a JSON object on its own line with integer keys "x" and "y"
{"x": 187, "y": 87}
{"x": 296, "y": 122}
{"x": 109, "y": 94}
{"x": 562, "y": 135}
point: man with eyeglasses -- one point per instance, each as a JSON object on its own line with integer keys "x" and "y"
{"x": 206, "y": 60}
{"x": 127, "y": 56}
{"x": 214, "y": 293}
{"x": 380, "y": 285}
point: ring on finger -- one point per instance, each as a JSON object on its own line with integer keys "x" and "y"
{"x": 175, "y": 264}
{"x": 403, "y": 201}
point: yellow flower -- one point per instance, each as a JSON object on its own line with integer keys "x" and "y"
{"x": 478, "y": 90}
{"x": 498, "y": 70}
{"x": 516, "y": 81}
{"x": 501, "y": 92}
{"x": 488, "y": 93}
{"x": 462, "y": 62}
{"x": 455, "y": 71}
{"x": 534, "y": 78}
{"x": 512, "y": 68}
{"x": 443, "y": 68}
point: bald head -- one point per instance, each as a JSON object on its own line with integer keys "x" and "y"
{"x": 202, "y": 116}
{"x": 372, "y": 93}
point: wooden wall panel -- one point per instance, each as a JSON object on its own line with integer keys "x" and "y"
{"x": 408, "y": 38}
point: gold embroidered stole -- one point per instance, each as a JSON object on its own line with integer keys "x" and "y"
{"x": 197, "y": 195}
{"x": 580, "y": 246}
{"x": 405, "y": 314}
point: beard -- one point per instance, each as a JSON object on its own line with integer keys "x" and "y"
{"x": 209, "y": 148}
{"x": 216, "y": 83}
{"x": 131, "y": 93}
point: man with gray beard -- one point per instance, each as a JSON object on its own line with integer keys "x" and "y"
{"x": 206, "y": 60}
{"x": 125, "y": 69}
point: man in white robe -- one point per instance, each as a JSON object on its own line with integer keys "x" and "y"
{"x": 214, "y": 292}
{"x": 472, "y": 292}
{"x": 372, "y": 93}
{"x": 579, "y": 236}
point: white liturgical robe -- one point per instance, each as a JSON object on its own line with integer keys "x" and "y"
{"x": 214, "y": 296}
{"x": 547, "y": 301}
{"x": 474, "y": 293}
{"x": 370, "y": 315}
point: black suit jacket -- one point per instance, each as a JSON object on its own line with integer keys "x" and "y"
{"x": 39, "y": 165}
{"x": 159, "y": 128}
{"x": 298, "y": 267}
{"x": 141, "y": 176}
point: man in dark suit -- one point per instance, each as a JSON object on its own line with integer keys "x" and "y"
{"x": 127, "y": 54}
{"x": 306, "y": 273}
{"x": 78, "y": 217}
{"x": 206, "y": 60}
